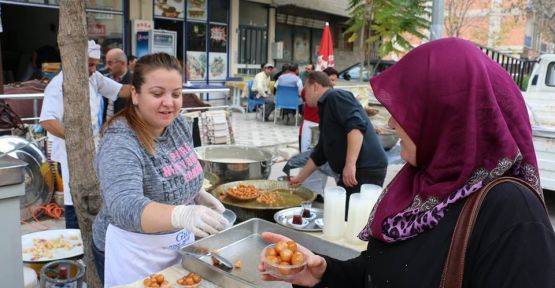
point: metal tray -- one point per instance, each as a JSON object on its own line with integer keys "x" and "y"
{"x": 243, "y": 242}
{"x": 282, "y": 216}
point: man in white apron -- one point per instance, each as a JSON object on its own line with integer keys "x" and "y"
{"x": 52, "y": 117}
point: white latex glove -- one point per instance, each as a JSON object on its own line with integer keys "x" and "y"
{"x": 200, "y": 220}
{"x": 206, "y": 199}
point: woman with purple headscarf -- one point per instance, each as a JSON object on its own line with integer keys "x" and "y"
{"x": 463, "y": 123}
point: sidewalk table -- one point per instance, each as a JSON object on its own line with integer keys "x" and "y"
{"x": 239, "y": 90}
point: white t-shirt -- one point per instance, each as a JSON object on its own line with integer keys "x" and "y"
{"x": 53, "y": 109}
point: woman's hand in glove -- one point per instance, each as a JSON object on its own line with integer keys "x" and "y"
{"x": 200, "y": 220}
{"x": 206, "y": 199}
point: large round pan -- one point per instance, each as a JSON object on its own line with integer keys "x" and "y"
{"x": 291, "y": 197}
{"x": 235, "y": 163}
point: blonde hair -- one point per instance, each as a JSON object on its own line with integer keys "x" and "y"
{"x": 145, "y": 65}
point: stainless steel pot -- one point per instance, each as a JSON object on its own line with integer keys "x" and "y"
{"x": 37, "y": 189}
{"x": 388, "y": 140}
{"x": 235, "y": 163}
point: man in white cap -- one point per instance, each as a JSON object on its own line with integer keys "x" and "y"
{"x": 52, "y": 116}
{"x": 261, "y": 86}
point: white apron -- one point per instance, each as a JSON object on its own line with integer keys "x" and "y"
{"x": 306, "y": 134}
{"x": 130, "y": 256}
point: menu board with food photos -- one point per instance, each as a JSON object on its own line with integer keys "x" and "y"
{"x": 196, "y": 10}
{"x": 169, "y": 8}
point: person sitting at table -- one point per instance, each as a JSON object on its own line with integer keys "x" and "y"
{"x": 463, "y": 124}
{"x": 261, "y": 86}
{"x": 150, "y": 179}
{"x": 291, "y": 79}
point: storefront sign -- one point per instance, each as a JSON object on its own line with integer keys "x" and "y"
{"x": 96, "y": 30}
{"x": 143, "y": 25}
{"x": 218, "y": 34}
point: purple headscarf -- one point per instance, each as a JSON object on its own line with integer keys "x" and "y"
{"x": 470, "y": 125}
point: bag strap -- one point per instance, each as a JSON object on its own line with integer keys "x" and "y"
{"x": 453, "y": 271}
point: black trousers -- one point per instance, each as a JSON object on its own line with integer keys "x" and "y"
{"x": 363, "y": 176}
{"x": 98, "y": 256}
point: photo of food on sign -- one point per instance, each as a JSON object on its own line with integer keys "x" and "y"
{"x": 196, "y": 9}
{"x": 197, "y": 65}
{"x": 168, "y": 8}
{"x": 218, "y": 65}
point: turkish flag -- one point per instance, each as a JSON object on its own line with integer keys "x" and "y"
{"x": 325, "y": 53}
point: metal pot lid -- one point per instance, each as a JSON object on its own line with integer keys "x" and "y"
{"x": 37, "y": 192}
{"x": 232, "y": 154}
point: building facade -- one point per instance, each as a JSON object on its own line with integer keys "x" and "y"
{"x": 216, "y": 39}
{"x": 505, "y": 25}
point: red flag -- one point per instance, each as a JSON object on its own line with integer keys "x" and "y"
{"x": 325, "y": 53}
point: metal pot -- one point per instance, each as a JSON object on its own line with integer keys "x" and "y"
{"x": 38, "y": 188}
{"x": 235, "y": 163}
{"x": 388, "y": 140}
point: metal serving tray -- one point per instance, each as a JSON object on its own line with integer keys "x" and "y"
{"x": 243, "y": 242}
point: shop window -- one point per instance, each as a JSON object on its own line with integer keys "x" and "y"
{"x": 217, "y": 62}
{"x": 109, "y": 5}
{"x": 172, "y": 25}
{"x": 218, "y": 11}
{"x": 207, "y": 63}
{"x": 106, "y": 30}
{"x": 301, "y": 45}
{"x": 196, "y": 36}
{"x": 283, "y": 33}
{"x": 316, "y": 39}
{"x": 196, "y": 51}
{"x": 105, "y": 5}
{"x": 253, "y": 14}
{"x": 340, "y": 39}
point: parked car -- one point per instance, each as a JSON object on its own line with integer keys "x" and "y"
{"x": 539, "y": 98}
{"x": 351, "y": 73}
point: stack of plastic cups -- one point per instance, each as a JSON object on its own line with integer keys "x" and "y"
{"x": 356, "y": 219}
{"x": 370, "y": 194}
{"x": 334, "y": 212}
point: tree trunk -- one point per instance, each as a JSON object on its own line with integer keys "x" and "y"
{"x": 362, "y": 53}
{"x": 72, "y": 39}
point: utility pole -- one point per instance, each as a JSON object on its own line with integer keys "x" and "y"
{"x": 436, "y": 30}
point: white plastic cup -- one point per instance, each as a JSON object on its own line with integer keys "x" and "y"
{"x": 370, "y": 194}
{"x": 356, "y": 219}
{"x": 334, "y": 212}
